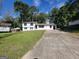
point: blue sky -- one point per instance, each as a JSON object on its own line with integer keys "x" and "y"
{"x": 43, "y": 5}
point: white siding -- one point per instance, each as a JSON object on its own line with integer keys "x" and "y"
{"x": 46, "y": 27}
{"x": 4, "y": 29}
{"x": 28, "y": 27}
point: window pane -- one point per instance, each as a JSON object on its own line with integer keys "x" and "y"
{"x": 50, "y": 26}
{"x": 25, "y": 27}
{"x": 31, "y": 24}
{"x": 41, "y": 26}
{"x": 31, "y": 27}
{"x": 25, "y": 24}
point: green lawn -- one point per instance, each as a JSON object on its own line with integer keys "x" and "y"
{"x": 16, "y": 45}
{"x": 2, "y": 35}
{"x": 76, "y": 33}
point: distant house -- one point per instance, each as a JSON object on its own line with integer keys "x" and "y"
{"x": 27, "y": 26}
{"x": 76, "y": 22}
{"x": 5, "y": 27}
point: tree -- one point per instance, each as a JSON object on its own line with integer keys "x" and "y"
{"x": 32, "y": 12}
{"x": 41, "y": 17}
{"x": 14, "y": 21}
{"x": 53, "y": 14}
{"x": 8, "y": 18}
{"x": 56, "y": 17}
{"x": 67, "y": 13}
{"x": 22, "y": 8}
{"x": 75, "y": 7}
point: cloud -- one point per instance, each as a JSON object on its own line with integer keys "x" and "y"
{"x": 52, "y": 1}
{"x": 46, "y": 12}
{"x": 37, "y": 2}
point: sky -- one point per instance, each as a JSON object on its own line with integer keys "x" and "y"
{"x": 44, "y": 6}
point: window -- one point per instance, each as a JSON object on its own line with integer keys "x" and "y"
{"x": 31, "y": 24}
{"x": 25, "y": 24}
{"x": 41, "y": 26}
{"x": 36, "y": 26}
{"x": 25, "y": 27}
{"x": 31, "y": 27}
{"x": 50, "y": 26}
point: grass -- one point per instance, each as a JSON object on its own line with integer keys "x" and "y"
{"x": 75, "y": 33}
{"x": 15, "y": 46}
{"x": 2, "y": 35}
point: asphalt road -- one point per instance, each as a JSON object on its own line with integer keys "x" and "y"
{"x": 55, "y": 45}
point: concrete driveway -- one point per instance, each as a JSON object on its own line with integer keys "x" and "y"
{"x": 55, "y": 45}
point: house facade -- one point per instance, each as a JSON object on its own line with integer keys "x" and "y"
{"x": 5, "y": 27}
{"x": 28, "y": 26}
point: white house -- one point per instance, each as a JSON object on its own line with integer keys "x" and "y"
{"x": 76, "y": 22}
{"x": 27, "y": 26}
{"x": 5, "y": 27}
